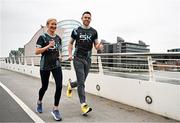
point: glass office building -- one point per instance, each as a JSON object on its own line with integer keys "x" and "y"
{"x": 174, "y": 50}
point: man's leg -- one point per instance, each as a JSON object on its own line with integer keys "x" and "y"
{"x": 84, "y": 107}
{"x": 82, "y": 68}
{"x": 80, "y": 75}
{"x": 86, "y": 71}
{"x": 87, "y": 67}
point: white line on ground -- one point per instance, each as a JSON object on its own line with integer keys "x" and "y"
{"x": 33, "y": 116}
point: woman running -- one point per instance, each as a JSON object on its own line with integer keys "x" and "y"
{"x": 49, "y": 46}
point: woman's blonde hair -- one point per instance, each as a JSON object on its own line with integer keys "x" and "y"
{"x": 49, "y": 20}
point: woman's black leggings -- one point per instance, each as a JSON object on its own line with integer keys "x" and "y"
{"x": 57, "y": 74}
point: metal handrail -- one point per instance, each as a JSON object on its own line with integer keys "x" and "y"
{"x": 118, "y": 64}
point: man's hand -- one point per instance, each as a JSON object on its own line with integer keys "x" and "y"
{"x": 70, "y": 57}
{"x": 99, "y": 46}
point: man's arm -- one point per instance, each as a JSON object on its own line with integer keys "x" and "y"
{"x": 98, "y": 45}
{"x": 70, "y": 48}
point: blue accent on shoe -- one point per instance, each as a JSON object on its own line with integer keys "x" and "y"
{"x": 39, "y": 108}
{"x": 56, "y": 115}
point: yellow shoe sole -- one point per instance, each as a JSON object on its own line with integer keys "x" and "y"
{"x": 86, "y": 113}
{"x": 69, "y": 93}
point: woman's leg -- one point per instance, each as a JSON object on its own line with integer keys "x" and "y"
{"x": 57, "y": 74}
{"x": 45, "y": 81}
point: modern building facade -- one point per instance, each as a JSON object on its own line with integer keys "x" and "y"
{"x": 124, "y": 47}
{"x": 174, "y": 50}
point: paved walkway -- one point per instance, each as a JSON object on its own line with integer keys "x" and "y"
{"x": 26, "y": 88}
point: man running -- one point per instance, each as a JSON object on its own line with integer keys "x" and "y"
{"x": 84, "y": 37}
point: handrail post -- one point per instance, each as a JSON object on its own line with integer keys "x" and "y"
{"x": 19, "y": 59}
{"x": 151, "y": 70}
{"x": 25, "y": 62}
{"x": 32, "y": 61}
{"x": 11, "y": 61}
{"x": 72, "y": 66}
{"x": 100, "y": 65}
{"x": 14, "y": 60}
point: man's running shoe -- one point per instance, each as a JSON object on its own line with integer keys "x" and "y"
{"x": 39, "y": 108}
{"x": 85, "y": 109}
{"x": 69, "y": 89}
{"x": 56, "y": 115}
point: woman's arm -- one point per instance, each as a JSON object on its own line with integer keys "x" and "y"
{"x": 43, "y": 49}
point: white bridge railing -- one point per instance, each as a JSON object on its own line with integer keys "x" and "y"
{"x": 150, "y": 81}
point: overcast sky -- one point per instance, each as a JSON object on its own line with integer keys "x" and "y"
{"x": 156, "y": 22}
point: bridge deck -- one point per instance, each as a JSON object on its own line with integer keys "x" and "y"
{"x": 26, "y": 88}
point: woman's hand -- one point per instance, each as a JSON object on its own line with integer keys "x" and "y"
{"x": 41, "y": 50}
{"x": 51, "y": 44}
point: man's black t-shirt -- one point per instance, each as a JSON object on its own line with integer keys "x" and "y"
{"x": 84, "y": 41}
{"x": 49, "y": 58}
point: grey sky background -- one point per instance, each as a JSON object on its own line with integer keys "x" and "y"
{"x": 156, "y": 22}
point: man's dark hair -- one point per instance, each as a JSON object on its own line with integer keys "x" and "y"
{"x": 86, "y": 12}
